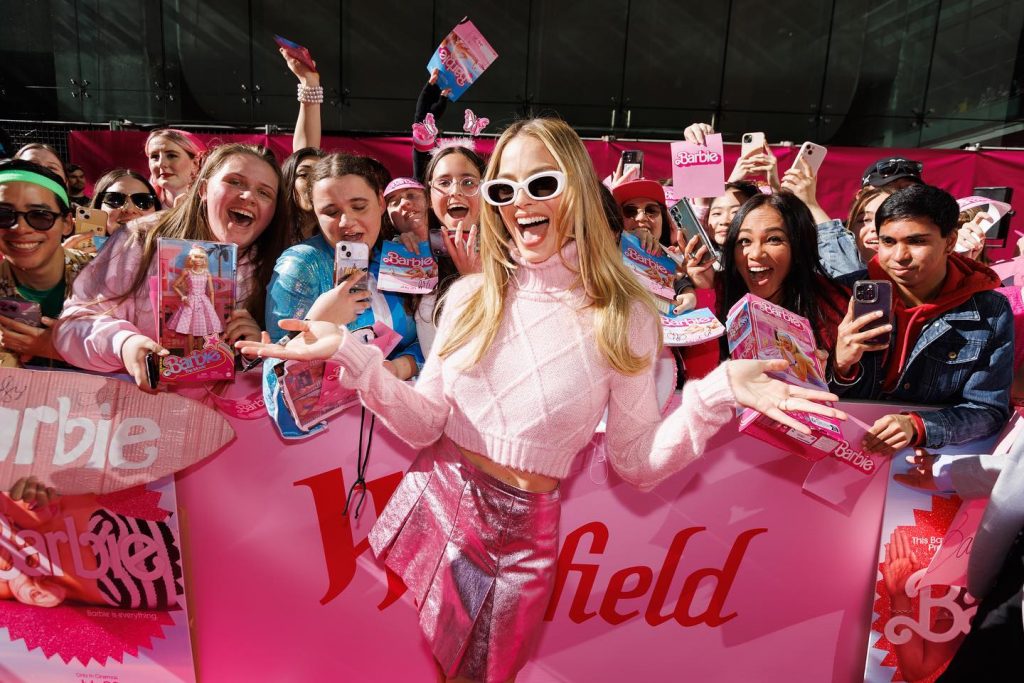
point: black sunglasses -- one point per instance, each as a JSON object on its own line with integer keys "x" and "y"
{"x": 143, "y": 201}
{"x": 37, "y": 219}
{"x": 894, "y": 166}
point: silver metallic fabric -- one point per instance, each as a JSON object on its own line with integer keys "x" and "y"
{"x": 478, "y": 556}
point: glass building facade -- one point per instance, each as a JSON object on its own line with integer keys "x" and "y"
{"x": 902, "y": 73}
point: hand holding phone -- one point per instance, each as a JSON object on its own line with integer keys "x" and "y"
{"x": 682, "y": 215}
{"x": 90, "y": 221}
{"x": 750, "y": 143}
{"x": 813, "y": 154}
{"x": 350, "y": 258}
{"x": 633, "y": 160}
{"x": 866, "y": 327}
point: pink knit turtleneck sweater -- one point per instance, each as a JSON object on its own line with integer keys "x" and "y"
{"x": 533, "y": 401}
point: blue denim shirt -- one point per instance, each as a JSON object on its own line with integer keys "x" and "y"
{"x": 304, "y": 272}
{"x": 837, "y": 250}
{"x": 962, "y": 359}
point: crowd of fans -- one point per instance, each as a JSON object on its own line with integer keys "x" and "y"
{"x": 951, "y": 339}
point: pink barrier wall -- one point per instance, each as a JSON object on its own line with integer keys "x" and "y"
{"x": 727, "y": 571}
{"x": 957, "y": 171}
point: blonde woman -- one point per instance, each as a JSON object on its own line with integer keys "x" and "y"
{"x": 528, "y": 356}
{"x": 174, "y": 157}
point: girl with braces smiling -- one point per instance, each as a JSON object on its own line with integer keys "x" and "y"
{"x": 499, "y": 413}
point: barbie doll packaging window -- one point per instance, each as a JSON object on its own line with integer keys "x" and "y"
{"x": 759, "y": 329}
{"x": 195, "y": 295}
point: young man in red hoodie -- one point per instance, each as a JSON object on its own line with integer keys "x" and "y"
{"x": 952, "y": 336}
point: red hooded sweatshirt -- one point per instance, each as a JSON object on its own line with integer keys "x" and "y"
{"x": 964, "y": 278}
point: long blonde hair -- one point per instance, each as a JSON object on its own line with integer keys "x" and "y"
{"x": 611, "y": 289}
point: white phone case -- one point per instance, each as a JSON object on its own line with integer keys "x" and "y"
{"x": 750, "y": 142}
{"x": 813, "y": 154}
{"x": 350, "y": 257}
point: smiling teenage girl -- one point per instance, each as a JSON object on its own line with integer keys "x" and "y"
{"x": 109, "y": 324}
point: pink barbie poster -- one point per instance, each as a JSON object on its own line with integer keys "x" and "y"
{"x": 920, "y": 608}
{"x": 196, "y": 294}
{"x": 92, "y": 588}
{"x": 656, "y": 273}
{"x": 461, "y": 57}
{"x": 406, "y": 272}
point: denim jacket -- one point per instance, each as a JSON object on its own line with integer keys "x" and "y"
{"x": 837, "y": 249}
{"x": 962, "y": 359}
{"x": 304, "y": 272}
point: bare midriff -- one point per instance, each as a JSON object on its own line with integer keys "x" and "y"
{"x": 527, "y": 481}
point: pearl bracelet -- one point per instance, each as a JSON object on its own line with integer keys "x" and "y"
{"x": 311, "y": 94}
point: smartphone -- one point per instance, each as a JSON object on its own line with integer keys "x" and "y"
{"x": 296, "y": 51}
{"x": 995, "y": 235}
{"x": 684, "y": 218}
{"x": 633, "y": 158}
{"x": 751, "y": 142}
{"x": 91, "y": 221}
{"x": 349, "y": 258}
{"x": 27, "y": 312}
{"x": 874, "y": 295}
{"x": 811, "y": 153}
{"x": 152, "y": 370}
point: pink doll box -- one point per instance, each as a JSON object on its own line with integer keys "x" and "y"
{"x": 192, "y": 326}
{"x": 759, "y": 329}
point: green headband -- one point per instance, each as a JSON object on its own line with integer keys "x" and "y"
{"x": 15, "y": 175}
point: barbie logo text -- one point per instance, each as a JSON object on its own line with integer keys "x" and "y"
{"x": 780, "y": 312}
{"x": 191, "y": 364}
{"x": 19, "y": 431}
{"x": 452, "y": 65}
{"x": 854, "y": 458}
{"x": 702, "y": 157}
{"x": 135, "y": 553}
{"x": 393, "y": 259}
{"x": 636, "y": 256}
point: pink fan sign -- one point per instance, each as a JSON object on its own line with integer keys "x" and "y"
{"x": 699, "y": 170}
{"x": 87, "y": 434}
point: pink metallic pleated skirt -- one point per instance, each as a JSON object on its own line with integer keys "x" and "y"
{"x": 478, "y": 556}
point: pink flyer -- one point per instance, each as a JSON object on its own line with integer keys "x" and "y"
{"x": 699, "y": 170}
{"x": 461, "y": 58}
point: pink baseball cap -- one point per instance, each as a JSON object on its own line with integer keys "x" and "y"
{"x": 403, "y": 184}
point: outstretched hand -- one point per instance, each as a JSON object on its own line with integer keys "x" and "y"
{"x": 753, "y": 388}
{"x": 318, "y": 341}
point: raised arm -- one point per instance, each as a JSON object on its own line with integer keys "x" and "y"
{"x": 307, "y": 125}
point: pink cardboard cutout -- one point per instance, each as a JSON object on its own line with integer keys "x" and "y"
{"x": 88, "y": 434}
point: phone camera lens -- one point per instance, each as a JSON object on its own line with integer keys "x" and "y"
{"x": 747, "y": 138}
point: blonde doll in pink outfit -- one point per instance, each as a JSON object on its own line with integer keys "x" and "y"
{"x": 197, "y": 317}
{"x": 529, "y": 355}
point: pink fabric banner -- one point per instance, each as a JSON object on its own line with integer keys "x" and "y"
{"x": 956, "y": 171}
{"x": 727, "y": 571}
